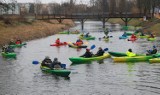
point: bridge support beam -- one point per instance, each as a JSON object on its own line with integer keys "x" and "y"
{"x": 126, "y": 20}
{"x": 104, "y": 20}
{"x": 82, "y": 23}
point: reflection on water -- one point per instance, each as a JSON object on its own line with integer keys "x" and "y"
{"x": 21, "y": 77}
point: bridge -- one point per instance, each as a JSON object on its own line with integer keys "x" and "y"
{"x": 82, "y": 17}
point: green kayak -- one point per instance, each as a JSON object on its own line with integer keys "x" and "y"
{"x": 66, "y": 32}
{"x": 154, "y": 60}
{"x": 87, "y": 38}
{"x": 135, "y": 59}
{"x": 142, "y": 37}
{"x": 120, "y": 54}
{"x": 18, "y": 45}
{"x": 9, "y": 55}
{"x": 151, "y": 39}
{"x": 79, "y": 60}
{"x": 58, "y": 72}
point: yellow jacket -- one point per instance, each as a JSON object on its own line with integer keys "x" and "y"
{"x": 130, "y": 54}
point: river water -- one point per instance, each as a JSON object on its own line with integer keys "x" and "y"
{"x": 21, "y": 77}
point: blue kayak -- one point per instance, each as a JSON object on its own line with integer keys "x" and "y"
{"x": 123, "y": 37}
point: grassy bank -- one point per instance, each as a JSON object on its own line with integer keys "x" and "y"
{"x": 31, "y": 30}
{"x": 151, "y": 25}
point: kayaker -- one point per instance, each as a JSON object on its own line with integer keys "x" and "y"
{"x": 9, "y": 49}
{"x": 151, "y": 36}
{"x": 142, "y": 34}
{"x": 124, "y": 34}
{"x": 46, "y": 62}
{"x": 87, "y": 54}
{"x": 18, "y": 41}
{"x": 87, "y": 35}
{"x": 150, "y": 52}
{"x": 100, "y": 52}
{"x": 56, "y": 64}
{"x": 79, "y": 42}
{"x": 129, "y": 53}
{"x": 57, "y": 41}
{"x": 12, "y": 42}
{"x": 4, "y": 48}
{"x": 133, "y": 36}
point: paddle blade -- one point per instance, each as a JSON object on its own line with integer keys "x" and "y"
{"x": 35, "y": 62}
{"x": 92, "y": 47}
{"x": 106, "y": 49}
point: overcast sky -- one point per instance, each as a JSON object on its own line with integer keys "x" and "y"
{"x": 48, "y": 1}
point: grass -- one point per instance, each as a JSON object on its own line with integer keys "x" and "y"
{"x": 29, "y": 31}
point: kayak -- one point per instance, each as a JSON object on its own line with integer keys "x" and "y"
{"x": 64, "y": 43}
{"x": 79, "y": 60}
{"x": 9, "y": 55}
{"x": 75, "y": 46}
{"x": 121, "y": 54}
{"x": 18, "y": 45}
{"x": 87, "y": 38}
{"x": 123, "y": 37}
{"x": 154, "y": 60}
{"x": 58, "y": 72}
{"x": 151, "y": 39}
{"x": 146, "y": 36}
{"x": 132, "y": 39}
{"x": 135, "y": 59}
{"x": 66, "y": 32}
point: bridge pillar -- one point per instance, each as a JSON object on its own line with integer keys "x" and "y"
{"x": 104, "y": 21}
{"x": 82, "y": 24}
{"x": 126, "y": 20}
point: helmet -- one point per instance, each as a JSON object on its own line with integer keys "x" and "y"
{"x": 130, "y": 50}
{"x": 55, "y": 59}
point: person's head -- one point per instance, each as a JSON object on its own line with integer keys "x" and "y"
{"x": 55, "y": 59}
{"x": 100, "y": 48}
{"x": 154, "y": 47}
{"x": 130, "y": 50}
{"x": 57, "y": 38}
{"x": 88, "y": 50}
{"x": 47, "y": 57}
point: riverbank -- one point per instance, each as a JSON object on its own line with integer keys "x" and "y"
{"x": 31, "y": 30}
{"x": 151, "y": 25}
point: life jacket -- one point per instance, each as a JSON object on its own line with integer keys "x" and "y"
{"x": 130, "y": 54}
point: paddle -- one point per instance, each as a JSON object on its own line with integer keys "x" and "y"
{"x": 37, "y": 62}
{"x": 92, "y": 47}
{"x": 106, "y": 49}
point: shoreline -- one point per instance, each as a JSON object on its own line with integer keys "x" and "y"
{"x": 30, "y": 31}
{"x": 151, "y": 25}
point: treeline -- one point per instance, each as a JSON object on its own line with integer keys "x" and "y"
{"x": 94, "y": 6}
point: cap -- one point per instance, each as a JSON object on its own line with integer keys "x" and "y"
{"x": 87, "y": 49}
{"x": 154, "y": 46}
{"x": 47, "y": 57}
{"x": 55, "y": 59}
{"x": 130, "y": 50}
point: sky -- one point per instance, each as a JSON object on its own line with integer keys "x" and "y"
{"x": 48, "y": 1}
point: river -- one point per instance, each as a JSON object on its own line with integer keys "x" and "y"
{"x": 21, "y": 77}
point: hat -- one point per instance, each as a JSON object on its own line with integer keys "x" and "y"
{"x": 47, "y": 57}
{"x": 87, "y": 49}
{"x": 99, "y": 48}
{"x": 130, "y": 50}
{"x": 154, "y": 46}
{"x": 55, "y": 59}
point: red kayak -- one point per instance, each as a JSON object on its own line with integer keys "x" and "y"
{"x": 132, "y": 39}
{"x": 64, "y": 43}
